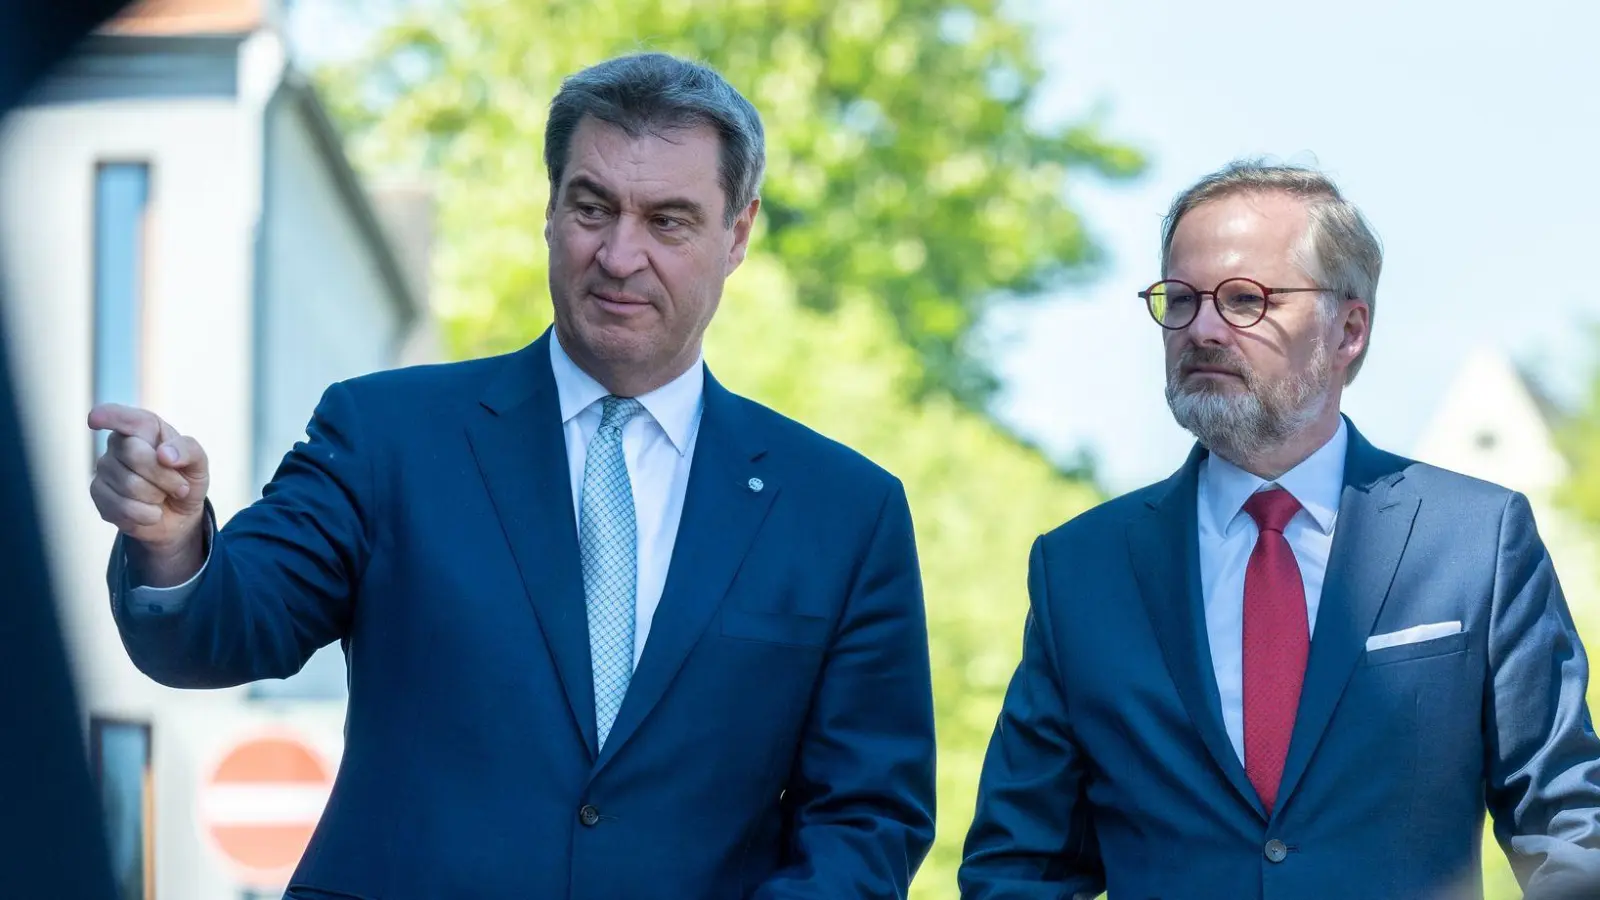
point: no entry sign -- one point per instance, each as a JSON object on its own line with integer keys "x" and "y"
{"x": 261, "y": 803}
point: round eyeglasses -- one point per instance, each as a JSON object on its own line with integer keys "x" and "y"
{"x": 1242, "y": 302}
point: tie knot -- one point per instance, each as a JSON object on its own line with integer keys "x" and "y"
{"x": 615, "y": 412}
{"x": 1272, "y": 509}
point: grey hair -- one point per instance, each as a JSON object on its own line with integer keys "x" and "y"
{"x": 654, "y": 92}
{"x": 1339, "y": 250}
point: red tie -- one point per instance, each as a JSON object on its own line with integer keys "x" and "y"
{"x": 1277, "y": 641}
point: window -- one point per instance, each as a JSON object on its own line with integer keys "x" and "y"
{"x": 120, "y": 754}
{"x": 121, "y": 224}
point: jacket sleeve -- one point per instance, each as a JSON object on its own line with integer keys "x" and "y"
{"x": 281, "y": 577}
{"x": 1543, "y": 756}
{"x": 1032, "y": 835}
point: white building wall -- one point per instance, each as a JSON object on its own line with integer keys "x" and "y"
{"x": 1490, "y": 427}
{"x": 196, "y": 374}
{"x": 325, "y": 315}
{"x": 328, "y": 314}
{"x": 198, "y": 344}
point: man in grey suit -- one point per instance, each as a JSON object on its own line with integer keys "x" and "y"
{"x": 1301, "y": 667}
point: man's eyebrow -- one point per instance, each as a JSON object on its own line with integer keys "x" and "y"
{"x": 691, "y": 208}
{"x": 584, "y": 183}
{"x": 681, "y": 204}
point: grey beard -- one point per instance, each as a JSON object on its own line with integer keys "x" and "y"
{"x": 1242, "y": 427}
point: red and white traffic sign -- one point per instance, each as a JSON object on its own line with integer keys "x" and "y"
{"x": 261, "y": 803}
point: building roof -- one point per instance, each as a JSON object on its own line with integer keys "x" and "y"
{"x": 1550, "y": 409}
{"x": 1492, "y": 423}
{"x": 172, "y": 18}
{"x": 330, "y": 144}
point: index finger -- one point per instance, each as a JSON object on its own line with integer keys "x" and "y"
{"x": 128, "y": 421}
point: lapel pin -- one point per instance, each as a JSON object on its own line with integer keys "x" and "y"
{"x": 755, "y": 484}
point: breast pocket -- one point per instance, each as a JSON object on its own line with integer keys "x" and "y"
{"x": 1440, "y": 646}
{"x": 786, "y": 629}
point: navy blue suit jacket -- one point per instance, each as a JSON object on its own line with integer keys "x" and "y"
{"x": 1110, "y": 768}
{"x": 776, "y": 740}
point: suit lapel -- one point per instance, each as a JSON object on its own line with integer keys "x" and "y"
{"x": 1370, "y": 536}
{"x": 1165, "y": 551}
{"x": 522, "y": 455}
{"x": 721, "y": 515}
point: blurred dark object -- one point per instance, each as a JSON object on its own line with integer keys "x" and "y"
{"x": 35, "y": 35}
{"x": 52, "y": 842}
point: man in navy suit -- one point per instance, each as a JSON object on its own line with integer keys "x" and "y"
{"x": 613, "y": 631}
{"x": 1301, "y": 667}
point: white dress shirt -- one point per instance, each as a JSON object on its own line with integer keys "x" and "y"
{"x": 658, "y": 448}
{"x": 1227, "y": 537}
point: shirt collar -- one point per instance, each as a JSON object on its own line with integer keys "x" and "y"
{"x": 1316, "y": 483}
{"x": 674, "y": 406}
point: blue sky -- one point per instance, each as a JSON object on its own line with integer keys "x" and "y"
{"x": 1466, "y": 131}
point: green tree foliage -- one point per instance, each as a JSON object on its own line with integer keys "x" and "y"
{"x": 1580, "y": 441}
{"x": 901, "y": 160}
{"x": 1578, "y": 438}
{"x": 978, "y": 499}
{"x": 905, "y": 192}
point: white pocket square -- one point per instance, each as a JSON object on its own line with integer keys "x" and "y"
{"x": 1412, "y": 635}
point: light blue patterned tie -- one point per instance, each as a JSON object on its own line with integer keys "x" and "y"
{"x": 608, "y": 541}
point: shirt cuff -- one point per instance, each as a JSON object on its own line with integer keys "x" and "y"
{"x": 149, "y": 601}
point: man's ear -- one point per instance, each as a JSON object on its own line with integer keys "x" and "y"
{"x": 1354, "y": 331}
{"x": 549, "y": 213}
{"x": 741, "y": 234}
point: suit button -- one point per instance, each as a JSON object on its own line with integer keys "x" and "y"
{"x": 588, "y": 815}
{"x": 1276, "y": 851}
